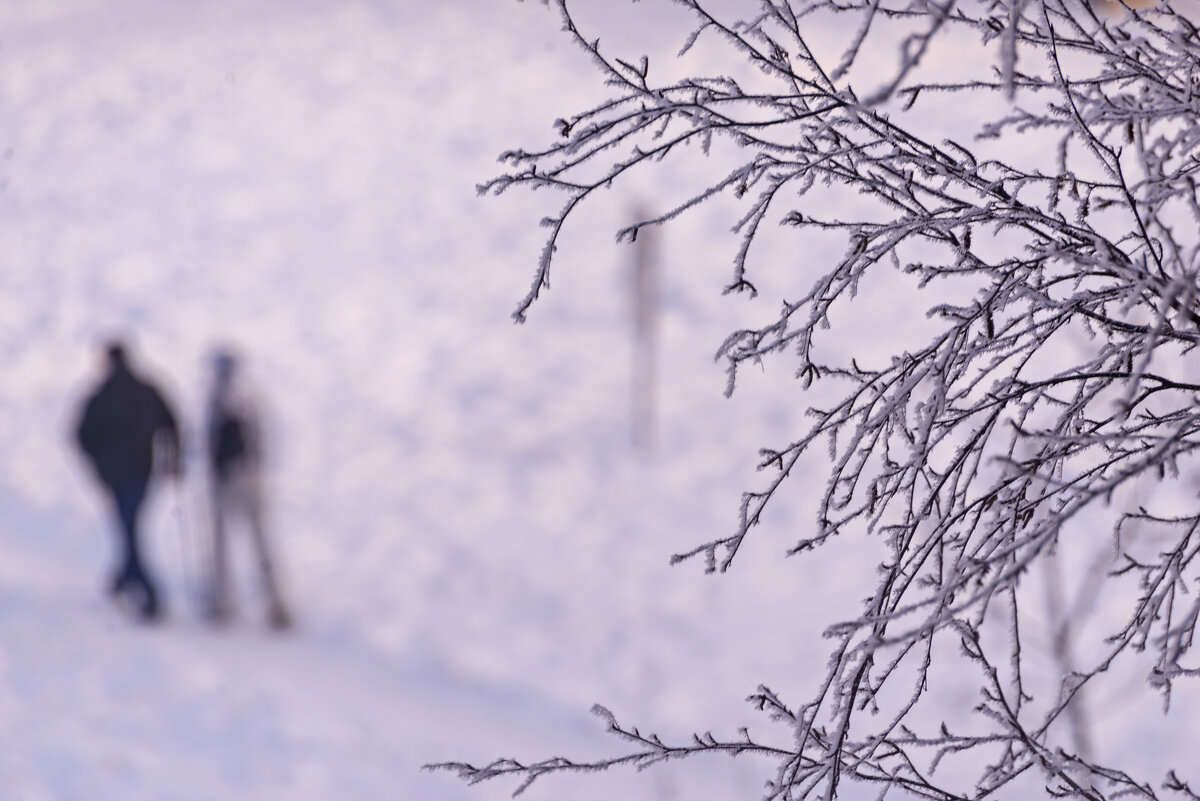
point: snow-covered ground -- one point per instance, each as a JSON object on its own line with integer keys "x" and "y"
{"x": 475, "y": 552}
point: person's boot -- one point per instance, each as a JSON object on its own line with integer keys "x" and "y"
{"x": 219, "y": 610}
{"x": 152, "y": 610}
{"x": 279, "y": 618}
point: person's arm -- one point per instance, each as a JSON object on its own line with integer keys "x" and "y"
{"x": 252, "y": 416}
{"x": 85, "y": 430}
{"x": 168, "y": 429}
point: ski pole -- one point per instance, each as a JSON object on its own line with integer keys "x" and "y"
{"x": 191, "y": 583}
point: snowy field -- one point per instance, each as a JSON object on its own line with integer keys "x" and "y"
{"x": 475, "y": 553}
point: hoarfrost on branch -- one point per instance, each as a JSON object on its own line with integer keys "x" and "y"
{"x": 1057, "y": 382}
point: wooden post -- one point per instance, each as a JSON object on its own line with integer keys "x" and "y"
{"x": 645, "y": 337}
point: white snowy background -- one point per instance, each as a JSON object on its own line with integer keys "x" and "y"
{"x": 474, "y": 552}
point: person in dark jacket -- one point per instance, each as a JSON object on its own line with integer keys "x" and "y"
{"x": 125, "y": 424}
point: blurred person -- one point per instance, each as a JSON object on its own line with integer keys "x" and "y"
{"x": 235, "y": 460}
{"x": 126, "y": 428}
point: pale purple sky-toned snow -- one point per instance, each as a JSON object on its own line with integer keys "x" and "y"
{"x": 475, "y": 553}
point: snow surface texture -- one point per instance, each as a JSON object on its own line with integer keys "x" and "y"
{"x": 474, "y": 552}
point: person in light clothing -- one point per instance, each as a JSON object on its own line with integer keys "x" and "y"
{"x": 235, "y": 460}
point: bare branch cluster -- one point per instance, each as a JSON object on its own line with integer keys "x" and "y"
{"x": 1055, "y": 384}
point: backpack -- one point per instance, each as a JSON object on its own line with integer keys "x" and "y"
{"x": 229, "y": 444}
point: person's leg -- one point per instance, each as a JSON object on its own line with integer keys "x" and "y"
{"x": 126, "y": 524}
{"x": 277, "y": 612}
{"x": 221, "y": 604}
{"x": 133, "y": 573}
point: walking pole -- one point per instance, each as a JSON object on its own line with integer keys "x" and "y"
{"x": 191, "y": 583}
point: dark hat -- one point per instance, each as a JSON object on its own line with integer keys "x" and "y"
{"x": 116, "y": 352}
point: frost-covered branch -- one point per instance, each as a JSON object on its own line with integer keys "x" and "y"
{"x": 1055, "y": 246}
